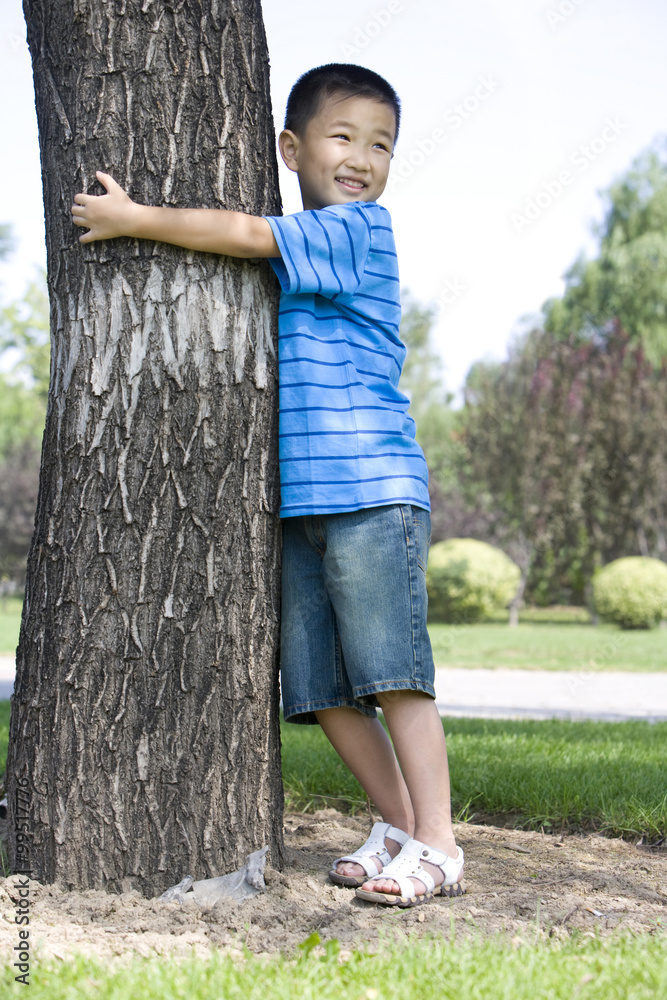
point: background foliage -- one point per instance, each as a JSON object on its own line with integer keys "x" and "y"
{"x": 558, "y": 454}
{"x": 24, "y": 385}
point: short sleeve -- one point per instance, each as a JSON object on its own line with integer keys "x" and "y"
{"x": 323, "y": 252}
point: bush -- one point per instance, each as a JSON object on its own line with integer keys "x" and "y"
{"x": 467, "y": 579}
{"x": 632, "y": 592}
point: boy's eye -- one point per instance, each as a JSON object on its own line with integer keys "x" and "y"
{"x": 341, "y": 136}
{"x": 381, "y": 145}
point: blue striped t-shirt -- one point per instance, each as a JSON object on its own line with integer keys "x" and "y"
{"x": 347, "y": 440}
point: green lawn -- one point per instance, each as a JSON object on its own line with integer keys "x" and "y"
{"x": 623, "y": 968}
{"x": 557, "y": 774}
{"x": 4, "y": 735}
{"x": 535, "y": 645}
{"x": 10, "y": 622}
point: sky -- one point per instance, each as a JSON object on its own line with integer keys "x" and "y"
{"x": 516, "y": 115}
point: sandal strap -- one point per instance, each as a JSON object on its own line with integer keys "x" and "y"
{"x": 407, "y": 865}
{"x": 400, "y": 836}
{"x": 450, "y": 867}
{"x": 375, "y": 848}
{"x": 366, "y": 861}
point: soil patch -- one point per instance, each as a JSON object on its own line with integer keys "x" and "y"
{"x": 520, "y": 884}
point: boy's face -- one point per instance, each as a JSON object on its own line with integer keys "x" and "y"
{"x": 344, "y": 153}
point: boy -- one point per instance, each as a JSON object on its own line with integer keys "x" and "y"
{"x": 354, "y": 494}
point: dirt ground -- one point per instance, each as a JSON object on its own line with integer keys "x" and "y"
{"x": 519, "y": 884}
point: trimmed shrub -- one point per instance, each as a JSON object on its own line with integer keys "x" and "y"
{"x": 632, "y": 592}
{"x": 467, "y": 579}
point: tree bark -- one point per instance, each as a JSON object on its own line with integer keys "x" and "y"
{"x": 144, "y": 738}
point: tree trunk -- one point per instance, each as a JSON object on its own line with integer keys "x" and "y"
{"x": 515, "y": 603}
{"x": 522, "y": 551}
{"x": 144, "y": 733}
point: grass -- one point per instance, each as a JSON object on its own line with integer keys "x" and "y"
{"x": 4, "y": 735}
{"x": 546, "y": 645}
{"x": 556, "y": 774}
{"x": 622, "y": 968}
{"x": 10, "y": 622}
{"x": 554, "y": 614}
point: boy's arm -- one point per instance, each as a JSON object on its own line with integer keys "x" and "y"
{"x": 211, "y": 230}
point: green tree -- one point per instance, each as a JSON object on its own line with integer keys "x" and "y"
{"x": 565, "y": 442}
{"x": 24, "y": 327}
{"x": 19, "y": 482}
{"x": 421, "y": 378}
{"x": 430, "y": 403}
{"x": 515, "y": 452}
{"x": 454, "y": 514}
{"x": 6, "y": 240}
{"x": 626, "y": 281}
{"x": 24, "y": 382}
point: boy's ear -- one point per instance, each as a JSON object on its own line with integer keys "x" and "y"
{"x": 288, "y": 144}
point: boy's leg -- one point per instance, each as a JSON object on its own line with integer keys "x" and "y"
{"x": 419, "y": 740}
{"x": 363, "y": 745}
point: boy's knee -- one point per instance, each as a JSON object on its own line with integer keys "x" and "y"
{"x": 388, "y": 698}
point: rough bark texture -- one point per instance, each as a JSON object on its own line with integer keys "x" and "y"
{"x": 144, "y": 730}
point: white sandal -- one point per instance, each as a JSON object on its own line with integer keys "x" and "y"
{"x": 373, "y": 848}
{"x": 407, "y": 865}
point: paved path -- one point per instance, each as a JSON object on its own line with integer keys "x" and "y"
{"x": 548, "y": 694}
{"x": 525, "y": 694}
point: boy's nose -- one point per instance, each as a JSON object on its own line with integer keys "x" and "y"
{"x": 358, "y": 158}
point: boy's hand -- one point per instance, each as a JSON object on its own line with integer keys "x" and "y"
{"x": 106, "y": 216}
{"x": 211, "y": 230}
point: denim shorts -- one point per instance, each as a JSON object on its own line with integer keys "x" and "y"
{"x": 354, "y": 609}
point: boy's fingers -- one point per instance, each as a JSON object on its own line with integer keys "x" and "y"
{"x": 107, "y": 181}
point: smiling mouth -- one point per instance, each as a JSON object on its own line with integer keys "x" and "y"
{"x": 350, "y": 183}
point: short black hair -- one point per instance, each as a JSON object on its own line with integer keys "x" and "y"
{"x": 318, "y": 84}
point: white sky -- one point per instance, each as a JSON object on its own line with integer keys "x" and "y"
{"x": 536, "y": 81}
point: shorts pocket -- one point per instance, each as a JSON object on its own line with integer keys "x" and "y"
{"x": 421, "y": 521}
